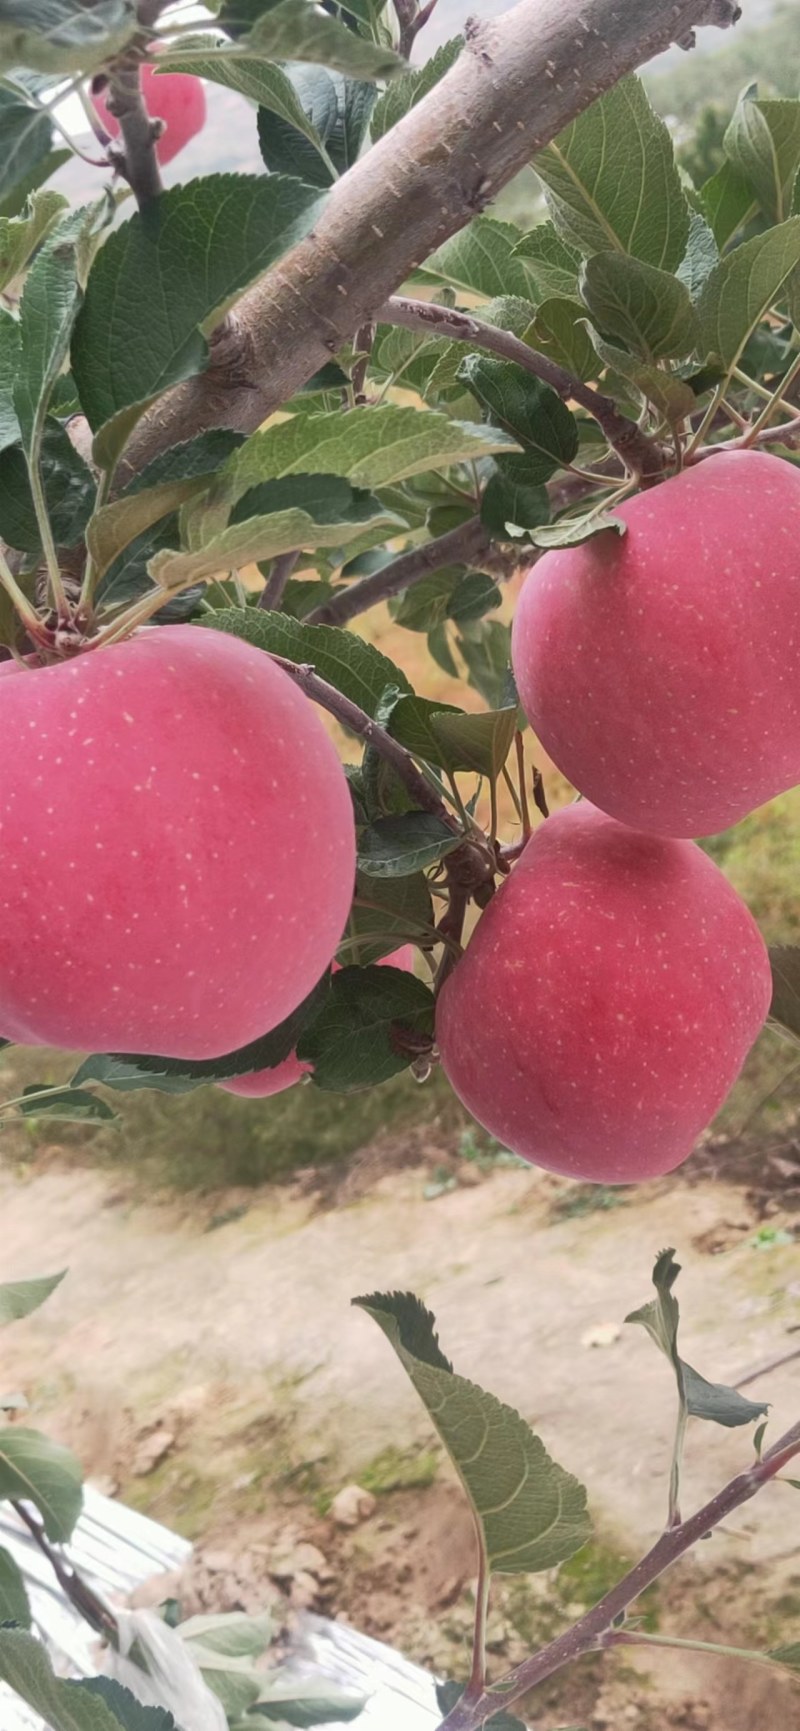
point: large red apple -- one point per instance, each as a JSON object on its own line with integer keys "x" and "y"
{"x": 178, "y": 851}
{"x": 177, "y": 98}
{"x": 260, "y": 1084}
{"x": 661, "y": 669}
{"x": 606, "y": 1002}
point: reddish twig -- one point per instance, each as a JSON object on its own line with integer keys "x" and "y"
{"x": 465, "y": 545}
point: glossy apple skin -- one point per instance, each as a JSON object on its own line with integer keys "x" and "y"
{"x": 260, "y": 1084}
{"x": 174, "y": 97}
{"x": 178, "y": 847}
{"x": 606, "y": 1002}
{"x": 661, "y": 669}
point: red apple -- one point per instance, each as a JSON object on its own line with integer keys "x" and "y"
{"x": 174, "y": 97}
{"x": 260, "y": 1084}
{"x": 178, "y": 847}
{"x": 661, "y": 669}
{"x": 606, "y": 1002}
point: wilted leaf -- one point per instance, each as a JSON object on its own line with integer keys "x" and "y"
{"x": 530, "y": 1513}
{"x": 702, "y": 1399}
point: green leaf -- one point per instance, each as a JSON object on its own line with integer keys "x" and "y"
{"x": 507, "y": 501}
{"x": 356, "y": 668}
{"x": 25, "y": 137}
{"x": 65, "y": 1105}
{"x": 233, "y": 1634}
{"x": 572, "y": 531}
{"x": 480, "y": 259}
{"x": 784, "y": 1011}
{"x": 702, "y": 1399}
{"x": 386, "y": 913}
{"x": 10, "y": 347}
{"x": 702, "y": 254}
{"x": 763, "y": 143}
{"x": 646, "y": 309}
{"x": 303, "y": 1702}
{"x": 405, "y": 92}
{"x": 69, "y": 489}
{"x": 529, "y": 410}
{"x": 335, "y": 113}
{"x": 394, "y": 847}
{"x": 727, "y": 202}
{"x": 312, "y": 524}
{"x": 14, "y": 1607}
{"x": 21, "y": 1297}
{"x": 480, "y": 743}
{"x": 163, "y": 280}
{"x": 530, "y": 1513}
{"x": 21, "y": 235}
{"x": 742, "y": 288}
{"x": 129, "y": 1713}
{"x": 670, "y": 396}
{"x": 559, "y": 332}
{"x": 425, "y": 604}
{"x": 612, "y": 182}
{"x": 36, "y": 1470}
{"x": 487, "y": 654}
{"x": 128, "y": 1072}
{"x": 49, "y": 305}
{"x": 551, "y": 266}
{"x": 475, "y": 594}
{"x": 366, "y": 446}
{"x": 789, "y": 1655}
{"x": 374, "y": 1021}
{"x": 411, "y": 724}
{"x": 298, "y": 30}
{"x": 26, "y": 1668}
{"x": 59, "y": 36}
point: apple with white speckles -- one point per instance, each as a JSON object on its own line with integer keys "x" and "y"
{"x": 262, "y": 1084}
{"x": 661, "y": 669}
{"x": 177, "y": 98}
{"x": 606, "y": 1002}
{"x": 178, "y": 847}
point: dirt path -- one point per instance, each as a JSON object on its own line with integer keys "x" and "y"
{"x": 221, "y": 1378}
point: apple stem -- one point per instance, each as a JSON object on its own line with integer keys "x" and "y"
{"x": 641, "y": 455}
{"x": 519, "y": 747}
{"x": 595, "y": 1629}
{"x": 477, "y": 1681}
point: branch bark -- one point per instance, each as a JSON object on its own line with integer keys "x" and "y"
{"x": 519, "y": 80}
{"x": 464, "y": 545}
{"x": 587, "y": 1635}
{"x": 136, "y": 159}
{"x": 640, "y": 454}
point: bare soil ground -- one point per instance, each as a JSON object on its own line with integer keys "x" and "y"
{"x": 204, "y": 1360}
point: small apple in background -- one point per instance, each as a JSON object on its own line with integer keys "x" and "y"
{"x": 260, "y": 1084}
{"x": 164, "y": 815}
{"x": 607, "y": 1001}
{"x": 661, "y": 669}
{"x": 177, "y": 98}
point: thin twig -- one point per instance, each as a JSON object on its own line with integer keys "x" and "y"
{"x": 365, "y": 338}
{"x": 82, "y": 1596}
{"x": 273, "y": 591}
{"x": 465, "y": 545}
{"x": 358, "y": 722}
{"x": 640, "y": 454}
{"x": 137, "y": 160}
{"x": 477, "y": 1682}
{"x": 590, "y": 1632}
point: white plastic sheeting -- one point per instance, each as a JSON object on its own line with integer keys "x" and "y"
{"x": 115, "y": 1550}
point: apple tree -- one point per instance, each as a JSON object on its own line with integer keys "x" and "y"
{"x": 347, "y": 377}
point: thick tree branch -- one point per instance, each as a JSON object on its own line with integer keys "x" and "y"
{"x": 639, "y": 453}
{"x": 588, "y": 1634}
{"x": 519, "y": 80}
{"x": 465, "y": 545}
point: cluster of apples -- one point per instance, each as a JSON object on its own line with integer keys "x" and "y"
{"x": 616, "y": 982}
